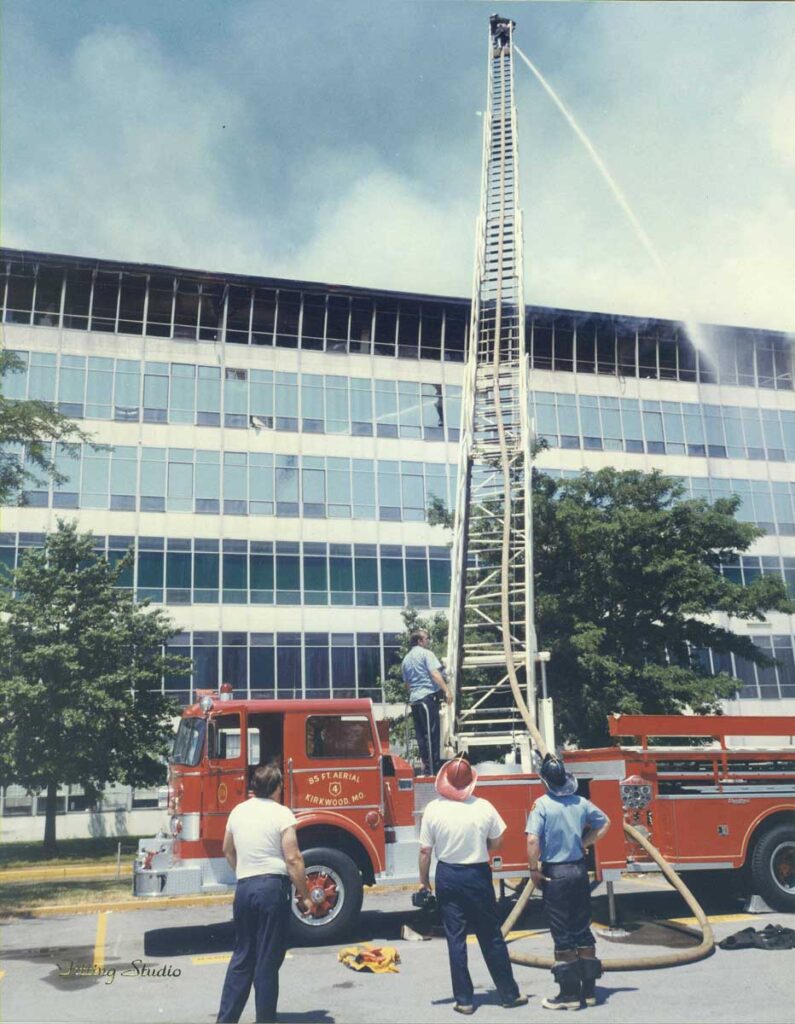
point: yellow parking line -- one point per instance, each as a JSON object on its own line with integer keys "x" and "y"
{"x": 220, "y": 958}
{"x": 99, "y": 941}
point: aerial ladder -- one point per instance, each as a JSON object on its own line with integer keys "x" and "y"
{"x": 492, "y": 651}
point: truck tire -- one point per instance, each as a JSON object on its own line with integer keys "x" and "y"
{"x": 773, "y": 867}
{"x": 335, "y": 885}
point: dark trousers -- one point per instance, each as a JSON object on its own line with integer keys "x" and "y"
{"x": 425, "y": 713}
{"x": 465, "y": 895}
{"x": 567, "y": 901}
{"x": 261, "y": 913}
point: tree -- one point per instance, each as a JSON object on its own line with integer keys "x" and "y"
{"x": 626, "y": 587}
{"x": 80, "y": 670}
{"x": 32, "y": 424}
{"x": 627, "y": 584}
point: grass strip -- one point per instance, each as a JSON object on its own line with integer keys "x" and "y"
{"x": 95, "y": 850}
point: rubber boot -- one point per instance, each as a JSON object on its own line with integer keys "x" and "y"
{"x": 590, "y": 969}
{"x": 566, "y": 972}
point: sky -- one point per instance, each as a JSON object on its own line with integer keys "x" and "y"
{"x": 340, "y": 141}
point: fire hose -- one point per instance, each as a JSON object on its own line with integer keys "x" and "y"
{"x": 685, "y": 956}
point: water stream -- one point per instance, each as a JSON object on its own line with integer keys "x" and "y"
{"x": 691, "y": 325}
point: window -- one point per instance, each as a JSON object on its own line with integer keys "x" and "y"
{"x": 224, "y": 738}
{"x": 339, "y": 736}
{"x": 188, "y": 742}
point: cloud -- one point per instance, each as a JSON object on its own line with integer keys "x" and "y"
{"x": 346, "y": 148}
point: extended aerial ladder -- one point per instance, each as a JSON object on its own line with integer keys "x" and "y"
{"x": 492, "y": 645}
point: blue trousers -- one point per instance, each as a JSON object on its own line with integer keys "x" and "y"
{"x": 567, "y": 901}
{"x": 261, "y": 913}
{"x": 465, "y": 895}
{"x": 425, "y": 713}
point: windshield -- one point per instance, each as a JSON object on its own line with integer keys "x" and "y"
{"x": 189, "y": 742}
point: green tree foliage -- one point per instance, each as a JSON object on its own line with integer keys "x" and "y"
{"x": 79, "y": 666}
{"x": 33, "y": 424}
{"x": 627, "y": 584}
{"x": 626, "y": 590}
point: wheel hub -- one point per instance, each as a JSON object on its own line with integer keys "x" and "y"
{"x": 783, "y": 864}
{"x": 323, "y": 892}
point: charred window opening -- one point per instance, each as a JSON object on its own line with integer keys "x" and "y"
{"x": 385, "y": 327}
{"x": 131, "y": 303}
{"x": 361, "y": 325}
{"x": 161, "y": 306}
{"x": 238, "y": 315}
{"x": 287, "y": 317}
{"x": 211, "y": 305}
{"x": 455, "y": 331}
{"x": 49, "y": 284}
{"x": 263, "y": 316}
{"x": 19, "y": 297}
{"x": 337, "y": 317}
{"x": 314, "y": 322}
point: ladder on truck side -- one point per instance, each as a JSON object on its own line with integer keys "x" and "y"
{"x": 495, "y": 423}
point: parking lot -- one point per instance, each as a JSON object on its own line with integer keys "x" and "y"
{"x": 168, "y": 965}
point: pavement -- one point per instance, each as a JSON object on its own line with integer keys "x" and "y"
{"x": 168, "y": 964}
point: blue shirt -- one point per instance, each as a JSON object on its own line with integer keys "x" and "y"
{"x": 559, "y": 823}
{"x": 417, "y": 666}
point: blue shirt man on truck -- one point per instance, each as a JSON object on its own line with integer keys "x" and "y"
{"x": 423, "y": 677}
{"x": 560, "y": 827}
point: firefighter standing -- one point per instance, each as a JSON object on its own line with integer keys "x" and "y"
{"x": 560, "y": 827}
{"x": 422, "y": 675}
{"x": 261, "y": 847}
{"x": 461, "y": 830}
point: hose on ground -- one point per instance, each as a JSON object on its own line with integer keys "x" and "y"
{"x": 643, "y": 963}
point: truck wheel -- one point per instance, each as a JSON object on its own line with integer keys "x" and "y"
{"x": 335, "y": 886}
{"x": 773, "y": 867}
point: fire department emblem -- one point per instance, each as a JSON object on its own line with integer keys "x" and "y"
{"x": 335, "y": 788}
{"x": 222, "y": 793}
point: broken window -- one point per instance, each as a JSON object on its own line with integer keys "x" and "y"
{"x": 131, "y": 303}
{"x": 211, "y": 310}
{"x": 287, "y": 316}
{"x": 19, "y": 299}
{"x": 186, "y": 309}
{"x": 361, "y": 325}
{"x": 337, "y": 317}
{"x": 263, "y": 319}
{"x": 408, "y": 331}
{"x": 49, "y": 284}
{"x": 431, "y": 332}
{"x": 385, "y": 327}
{"x": 161, "y": 303}
{"x": 238, "y": 314}
{"x": 455, "y": 329}
{"x": 314, "y": 321}
{"x": 105, "y": 301}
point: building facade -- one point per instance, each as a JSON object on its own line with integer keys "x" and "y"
{"x": 269, "y": 449}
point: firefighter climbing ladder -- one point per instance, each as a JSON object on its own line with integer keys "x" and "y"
{"x": 491, "y": 610}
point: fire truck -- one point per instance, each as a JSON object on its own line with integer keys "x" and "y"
{"x": 702, "y": 803}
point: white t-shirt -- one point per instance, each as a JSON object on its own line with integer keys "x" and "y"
{"x": 257, "y": 826}
{"x": 457, "y": 830}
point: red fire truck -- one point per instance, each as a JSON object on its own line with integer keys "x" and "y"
{"x": 703, "y": 804}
